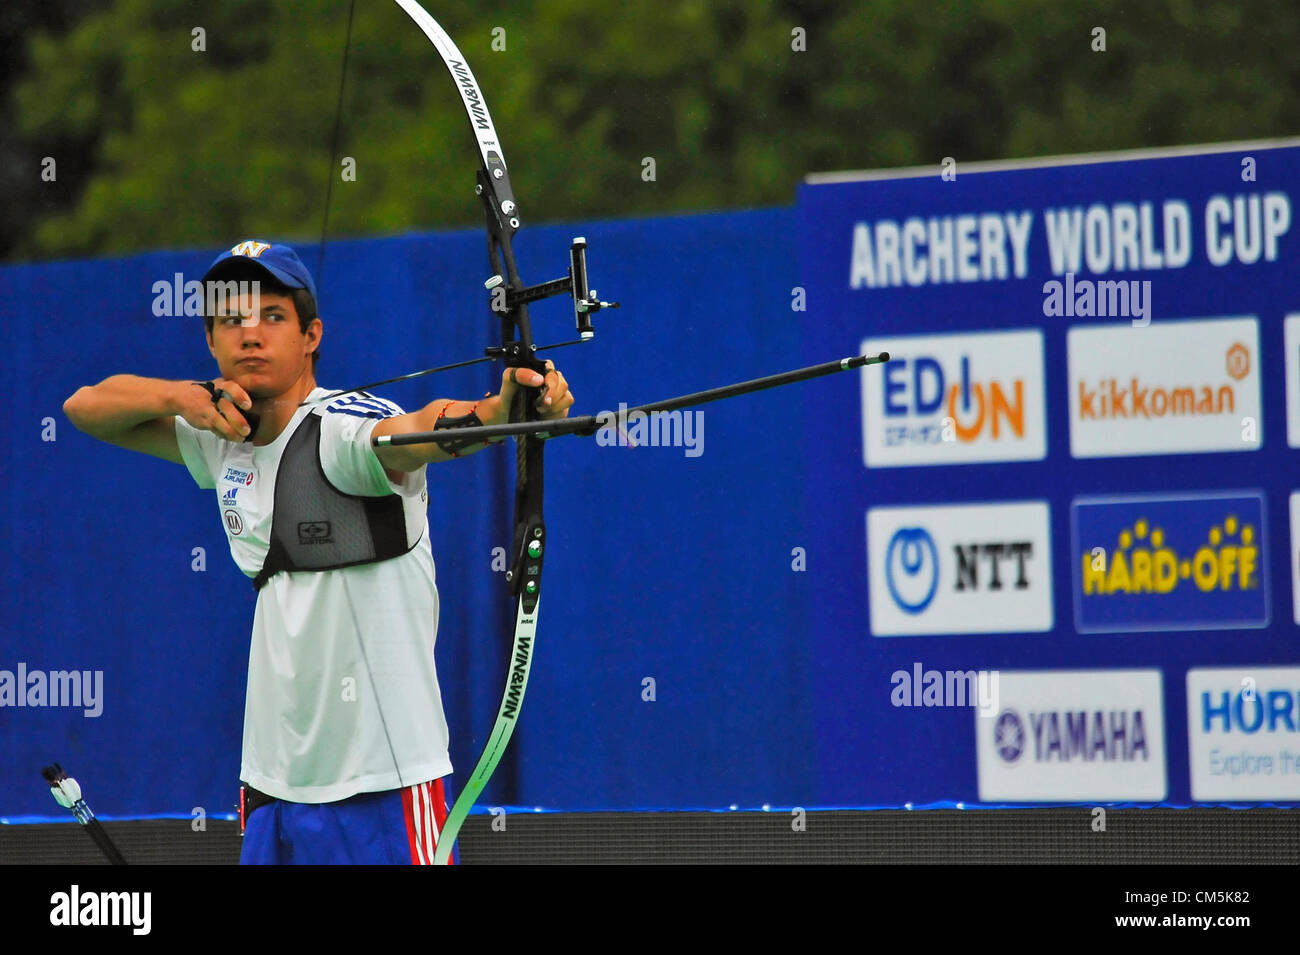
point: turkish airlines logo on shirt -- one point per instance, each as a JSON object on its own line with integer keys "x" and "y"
{"x": 236, "y": 476}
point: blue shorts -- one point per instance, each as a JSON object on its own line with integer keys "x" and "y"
{"x": 397, "y": 827}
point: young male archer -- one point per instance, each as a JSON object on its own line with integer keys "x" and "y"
{"x": 334, "y": 533}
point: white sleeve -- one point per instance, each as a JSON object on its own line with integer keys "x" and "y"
{"x": 199, "y": 451}
{"x": 347, "y": 457}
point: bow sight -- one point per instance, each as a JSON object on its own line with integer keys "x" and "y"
{"x": 585, "y": 300}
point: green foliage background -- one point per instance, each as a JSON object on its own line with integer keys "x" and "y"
{"x": 160, "y": 146}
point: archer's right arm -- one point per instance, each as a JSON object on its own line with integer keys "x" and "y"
{"x": 139, "y": 413}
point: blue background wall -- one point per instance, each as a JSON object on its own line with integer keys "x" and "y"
{"x": 661, "y": 565}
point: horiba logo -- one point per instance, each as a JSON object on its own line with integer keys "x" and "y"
{"x": 250, "y": 248}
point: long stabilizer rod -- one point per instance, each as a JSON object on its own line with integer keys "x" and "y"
{"x": 588, "y": 424}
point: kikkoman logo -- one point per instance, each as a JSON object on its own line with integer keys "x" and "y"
{"x": 1112, "y": 399}
{"x": 1143, "y": 563}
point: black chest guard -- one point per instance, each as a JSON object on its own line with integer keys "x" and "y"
{"x": 315, "y": 526}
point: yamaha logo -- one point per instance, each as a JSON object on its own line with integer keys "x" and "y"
{"x": 1009, "y": 736}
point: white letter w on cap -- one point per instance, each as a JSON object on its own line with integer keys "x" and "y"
{"x": 250, "y": 248}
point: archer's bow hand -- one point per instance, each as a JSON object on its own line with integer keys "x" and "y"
{"x": 555, "y": 399}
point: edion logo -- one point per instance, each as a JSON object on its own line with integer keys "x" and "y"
{"x": 955, "y": 399}
{"x": 968, "y": 407}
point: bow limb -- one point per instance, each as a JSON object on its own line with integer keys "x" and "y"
{"x": 518, "y": 350}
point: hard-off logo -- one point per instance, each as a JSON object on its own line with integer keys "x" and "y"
{"x": 1172, "y": 387}
{"x": 980, "y": 568}
{"x": 1160, "y": 563}
{"x": 1069, "y": 736}
{"x": 955, "y": 399}
{"x": 1142, "y": 563}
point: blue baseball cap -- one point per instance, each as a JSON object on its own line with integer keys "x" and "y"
{"x": 278, "y": 261}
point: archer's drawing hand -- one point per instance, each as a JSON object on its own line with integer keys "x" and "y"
{"x": 224, "y": 419}
{"x": 555, "y": 399}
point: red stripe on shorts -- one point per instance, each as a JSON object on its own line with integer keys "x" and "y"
{"x": 407, "y": 811}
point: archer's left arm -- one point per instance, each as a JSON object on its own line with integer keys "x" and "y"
{"x": 554, "y": 401}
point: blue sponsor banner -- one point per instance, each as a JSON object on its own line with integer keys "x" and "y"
{"x": 1185, "y": 562}
{"x": 1078, "y": 330}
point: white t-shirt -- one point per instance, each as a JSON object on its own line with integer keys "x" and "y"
{"x": 342, "y": 693}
